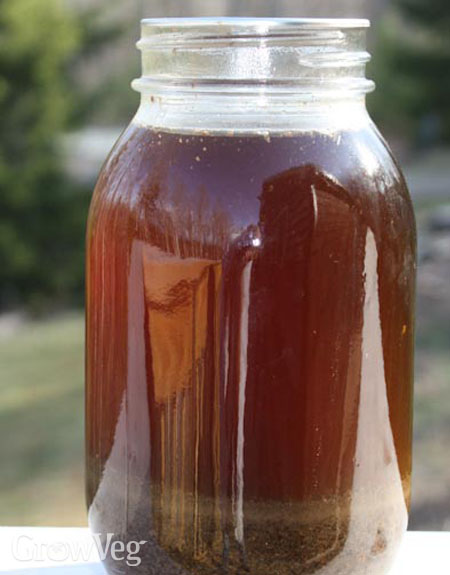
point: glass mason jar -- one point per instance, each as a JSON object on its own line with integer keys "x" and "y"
{"x": 250, "y": 295}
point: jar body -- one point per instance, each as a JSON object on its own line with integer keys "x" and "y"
{"x": 249, "y": 350}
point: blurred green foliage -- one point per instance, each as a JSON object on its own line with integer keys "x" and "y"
{"x": 42, "y": 214}
{"x": 43, "y": 95}
{"x": 412, "y": 70}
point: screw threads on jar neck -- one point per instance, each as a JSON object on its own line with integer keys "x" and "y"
{"x": 240, "y": 56}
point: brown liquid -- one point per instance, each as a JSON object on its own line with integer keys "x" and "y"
{"x": 249, "y": 352}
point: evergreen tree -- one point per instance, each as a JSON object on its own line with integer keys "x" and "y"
{"x": 42, "y": 214}
{"x": 412, "y": 71}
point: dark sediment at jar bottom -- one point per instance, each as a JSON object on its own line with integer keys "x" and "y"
{"x": 333, "y": 536}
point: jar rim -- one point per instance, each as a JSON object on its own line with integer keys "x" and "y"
{"x": 258, "y": 26}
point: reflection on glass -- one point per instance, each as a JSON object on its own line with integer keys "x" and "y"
{"x": 249, "y": 370}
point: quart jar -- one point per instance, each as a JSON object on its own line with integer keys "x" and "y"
{"x": 250, "y": 295}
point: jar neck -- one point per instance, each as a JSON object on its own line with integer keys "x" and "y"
{"x": 244, "y": 74}
{"x": 251, "y": 114}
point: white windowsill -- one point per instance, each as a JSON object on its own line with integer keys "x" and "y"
{"x": 422, "y": 553}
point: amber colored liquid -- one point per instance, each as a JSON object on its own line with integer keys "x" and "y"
{"x": 249, "y": 352}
